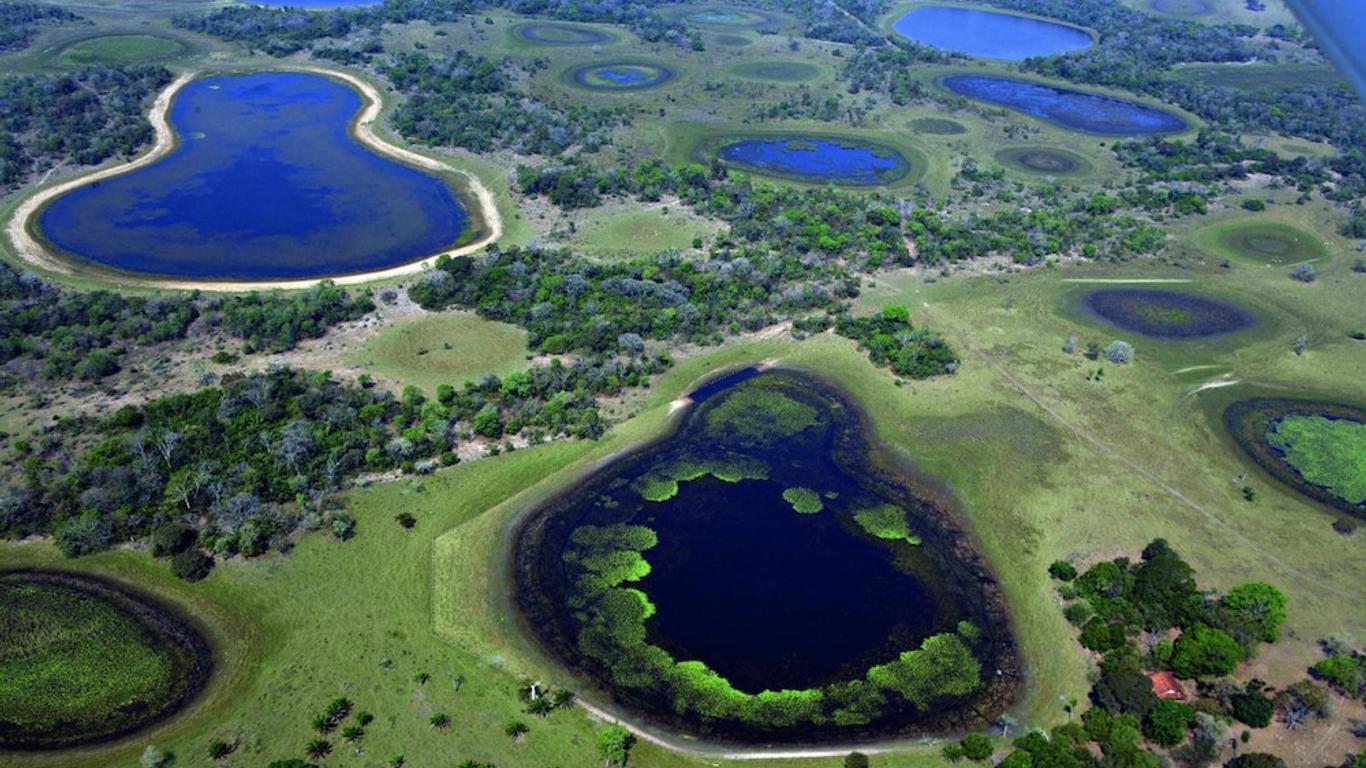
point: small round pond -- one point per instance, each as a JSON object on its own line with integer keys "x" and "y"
{"x": 1316, "y": 447}
{"x": 989, "y": 34}
{"x": 1045, "y": 161}
{"x": 266, "y": 182}
{"x": 1261, "y": 242}
{"x": 84, "y": 661}
{"x": 544, "y": 33}
{"x": 757, "y": 576}
{"x": 815, "y": 159}
{"x": 1075, "y": 110}
{"x": 1161, "y": 314}
{"x": 621, "y": 76}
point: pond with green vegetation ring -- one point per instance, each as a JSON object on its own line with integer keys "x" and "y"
{"x": 621, "y": 76}
{"x": 84, "y": 660}
{"x": 1316, "y": 447}
{"x": 1261, "y": 242}
{"x": 1043, "y": 161}
{"x": 696, "y": 582}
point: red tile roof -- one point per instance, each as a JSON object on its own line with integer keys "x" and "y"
{"x": 1166, "y": 686}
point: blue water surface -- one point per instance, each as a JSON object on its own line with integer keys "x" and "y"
{"x": 988, "y": 34}
{"x": 1071, "y": 109}
{"x": 817, "y": 159}
{"x": 623, "y": 76}
{"x": 266, "y": 183}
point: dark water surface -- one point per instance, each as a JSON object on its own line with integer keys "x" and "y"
{"x": 766, "y": 596}
{"x": 266, "y": 183}
{"x": 817, "y": 159}
{"x": 1071, "y": 109}
{"x": 1166, "y": 314}
{"x": 988, "y": 34}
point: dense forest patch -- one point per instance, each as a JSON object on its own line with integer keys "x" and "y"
{"x": 1316, "y": 447}
{"x": 83, "y": 660}
{"x": 763, "y": 513}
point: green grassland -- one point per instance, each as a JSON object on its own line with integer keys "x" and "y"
{"x": 1257, "y": 240}
{"x": 1217, "y": 11}
{"x": 431, "y": 349}
{"x": 620, "y": 230}
{"x": 121, "y": 49}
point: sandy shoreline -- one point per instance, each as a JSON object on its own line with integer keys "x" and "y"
{"x": 30, "y": 251}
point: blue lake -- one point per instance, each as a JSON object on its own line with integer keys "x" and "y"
{"x": 267, "y": 182}
{"x": 621, "y": 76}
{"x": 1079, "y": 111}
{"x": 817, "y": 159}
{"x": 988, "y": 34}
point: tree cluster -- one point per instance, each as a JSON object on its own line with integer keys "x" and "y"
{"x": 465, "y": 100}
{"x": 83, "y": 118}
{"x": 19, "y": 22}
{"x": 892, "y": 341}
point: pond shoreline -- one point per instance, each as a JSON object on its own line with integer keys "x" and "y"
{"x": 30, "y": 250}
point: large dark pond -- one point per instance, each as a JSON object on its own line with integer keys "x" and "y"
{"x": 757, "y": 576}
{"x": 817, "y": 159}
{"x": 1166, "y": 314}
{"x": 266, "y": 183}
{"x": 988, "y": 34}
{"x": 1071, "y": 109}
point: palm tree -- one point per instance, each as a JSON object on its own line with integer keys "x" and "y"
{"x": 323, "y": 724}
{"x": 541, "y": 706}
{"x": 440, "y": 721}
{"x": 353, "y": 733}
{"x": 318, "y": 748}
{"x": 516, "y": 729}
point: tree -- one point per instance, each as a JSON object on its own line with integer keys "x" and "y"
{"x": 1167, "y": 722}
{"x": 1304, "y": 273}
{"x": 219, "y": 749}
{"x": 1255, "y": 760}
{"x": 615, "y": 742}
{"x": 191, "y": 565}
{"x": 515, "y": 729}
{"x": 977, "y": 746}
{"x": 1204, "y": 651}
{"x": 1255, "y": 611}
{"x": 953, "y": 752}
{"x": 1119, "y": 352}
{"x": 1062, "y": 570}
{"x": 855, "y": 760}
{"x": 440, "y": 721}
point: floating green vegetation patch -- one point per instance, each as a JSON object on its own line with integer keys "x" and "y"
{"x": 756, "y": 415}
{"x": 804, "y": 500}
{"x": 887, "y": 521}
{"x": 83, "y": 661}
{"x": 661, "y": 483}
{"x": 1261, "y": 242}
{"x": 1328, "y": 452}
{"x": 1316, "y": 447}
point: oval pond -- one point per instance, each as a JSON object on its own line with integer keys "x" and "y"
{"x": 1076, "y": 110}
{"x": 988, "y": 34}
{"x": 83, "y": 660}
{"x": 817, "y": 159}
{"x": 1316, "y": 447}
{"x": 755, "y": 576}
{"x": 621, "y": 76}
{"x": 267, "y": 182}
{"x": 1165, "y": 314}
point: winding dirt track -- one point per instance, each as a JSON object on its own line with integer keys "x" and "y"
{"x": 29, "y": 250}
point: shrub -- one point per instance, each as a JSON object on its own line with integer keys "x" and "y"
{"x": 191, "y": 565}
{"x": 1062, "y": 570}
{"x": 1252, "y": 708}
{"x": 1167, "y": 722}
{"x": 977, "y": 746}
{"x": 1119, "y": 352}
{"x": 1304, "y": 273}
{"x": 1255, "y": 760}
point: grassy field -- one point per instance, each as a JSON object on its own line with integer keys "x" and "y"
{"x": 428, "y": 350}
{"x": 1217, "y": 11}
{"x": 618, "y": 230}
{"x": 120, "y": 49}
